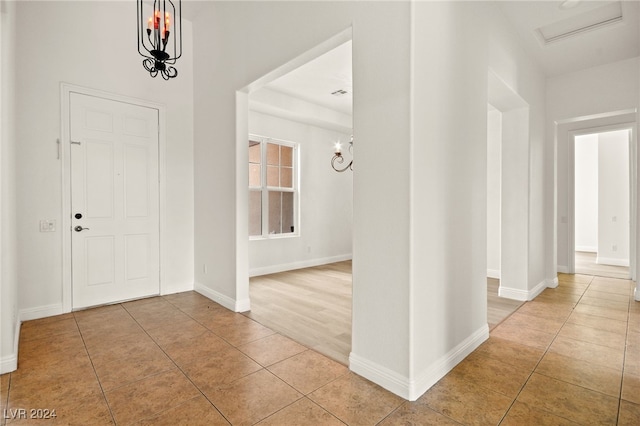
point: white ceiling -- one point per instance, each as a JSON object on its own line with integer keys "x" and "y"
{"x": 588, "y": 49}
{"x": 316, "y": 80}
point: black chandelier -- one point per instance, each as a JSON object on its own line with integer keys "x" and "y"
{"x": 338, "y": 158}
{"x": 158, "y": 42}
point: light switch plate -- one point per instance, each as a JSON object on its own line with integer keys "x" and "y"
{"x": 47, "y": 225}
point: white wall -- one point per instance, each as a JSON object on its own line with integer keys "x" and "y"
{"x": 494, "y": 178}
{"x": 526, "y": 159}
{"x": 252, "y": 39}
{"x": 420, "y": 199}
{"x": 8, "y": 237}
{"x": 326, "y": 201}
{"x": 604, "y": 89}
{"x": 586, "y": 193}
{"x": 455, "y": 45}
{"x": 90, "y": 44}
{"x": 449, "y": 179}
{"x": 613, "y": 196}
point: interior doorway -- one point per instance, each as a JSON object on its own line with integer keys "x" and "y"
{"x": 304, "y": 109}
{"x": 602, "y": 203}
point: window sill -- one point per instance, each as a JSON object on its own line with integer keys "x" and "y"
{"x": 273, "y": 237}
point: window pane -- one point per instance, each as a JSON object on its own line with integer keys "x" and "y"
{"x": 273, "y": 154}
{"x": 286, "y": 156}
{"x": 287, "y": 213}
{"x": 275, "y": 208}
{"x": 254, "y": 175}
{"x": 286, "y": 177}
{"x": 254, "y": 152}
{"x": 255, "y": 213}
{"x": 273, "y": 178}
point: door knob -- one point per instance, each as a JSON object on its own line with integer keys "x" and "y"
{"x": 80, "y": 228}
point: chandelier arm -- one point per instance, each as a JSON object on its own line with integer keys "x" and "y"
{"x": 172, "y": 72}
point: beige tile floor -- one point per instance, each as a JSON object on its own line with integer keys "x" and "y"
{"x": 572, "y": 356}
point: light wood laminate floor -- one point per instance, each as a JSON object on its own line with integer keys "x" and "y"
{"x": 313, "y": 306}
{"x": 586, "y": 264}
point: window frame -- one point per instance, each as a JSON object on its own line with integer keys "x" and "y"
{"x": 265, "y": 189}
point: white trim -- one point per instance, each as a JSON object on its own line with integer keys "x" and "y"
{"x": 226, "y": 301}
{"x": 65, "y": 92}
{"x": 522, "y": 295}
{"x": 41, "y": 312}
{"x": 589, "y": 128}
{"x": 9, "y": 363}
{"x": 604, "y": 115}
{"x": 388, "y": 379}
{"x": 409, "y": 388}
{"x": 586, "y": 249}
{"x": 636, "y": 293}
{"x": 272, "y": 269}
{"x": 242, "y": 165}
{"x": 493, "y": 273}
{"x": 571, "y": 203}
{"x": 563, "y": 269}
{"x": 552, "y": 282}
{"x": 612, "y": 261}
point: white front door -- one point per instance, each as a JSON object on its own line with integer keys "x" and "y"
{"x": 115, "y": 231}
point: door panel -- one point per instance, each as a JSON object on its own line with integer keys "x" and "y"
{"x": 114, "y": 187}
{"x": 97, "y": 181}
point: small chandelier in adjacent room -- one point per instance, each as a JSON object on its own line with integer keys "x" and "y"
{"x": 338, "y": 158}
{"x": 160, "y": 36}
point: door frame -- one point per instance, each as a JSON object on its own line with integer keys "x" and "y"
{"x": 64, "y": 154}
{"x": 571, "y": 213}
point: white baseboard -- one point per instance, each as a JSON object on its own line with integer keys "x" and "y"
{"x": 612, "y": 261}
{"x": 522, "y": 295}
{"x": 41, "y": 312}
{"x": 493, "y": 273}
{"x": 552, "y": 282}
{"x": 563, "y": 269}
{"x": 9, "y": 363}
{"x": 226, "y": 301}
{"x": 254, "y": 272}
{"x": 412, "y": 388}
{"x": 587, "y": 249}
{"x": 636, "y": 295}
{"x": 534, "y": 292}
{"x": 388, "y": 379}
{"x": 176, "y": 288}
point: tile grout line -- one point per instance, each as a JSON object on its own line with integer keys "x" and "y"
{"x": 93, "y": 367}
{"x": 6, "y": 406}
{"x": 542, "y": 357}
{"x": 175, "y": 363}
{"x": 304, "y": 396}
{"x": 624, "y": 354}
